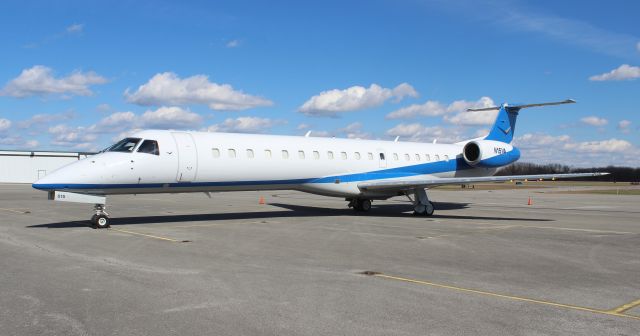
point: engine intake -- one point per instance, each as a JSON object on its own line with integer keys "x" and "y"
{"x": 489, "y": 153}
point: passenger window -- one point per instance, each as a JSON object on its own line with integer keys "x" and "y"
{"x": 417, "y": 157}
{"x": 382, "y": 156}
{"x": 330, "y": 155}
{"x": 370, "y": 155}
{"x": 149, "y": 147}
{"x": 215, "y": 152}
{"x": 343, "y": 155}
{"x": 436, "y": 157}
{"x": 407, "y": 157}
{"x": 285, "y": 154}
{"x": 232, "y": 153}
{"x": 301, "y": 155}
{"x": 357, "y": 155}
{"x": 427, "y": 157}
{"x": 267, "y": 153}
{"x": 250, "y": 153}
{"x": 316, "y": 155}
{"x": 395, "y": 156}
{"x": 446, "y": 157}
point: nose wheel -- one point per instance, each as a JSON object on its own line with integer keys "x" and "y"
{"x": 101, "y": 219}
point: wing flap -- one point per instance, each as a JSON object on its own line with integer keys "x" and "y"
{"x": 406, "y": 184}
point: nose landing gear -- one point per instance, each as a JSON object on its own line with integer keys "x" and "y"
{"x": 101, "y": 219}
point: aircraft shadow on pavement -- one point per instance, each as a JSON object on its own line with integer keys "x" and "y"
{"x": 301, "y": 211}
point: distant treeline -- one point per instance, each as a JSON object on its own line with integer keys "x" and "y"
{"x": 618, "y": 174}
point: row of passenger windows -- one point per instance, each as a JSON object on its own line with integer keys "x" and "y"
{"x": 330, "y": 155}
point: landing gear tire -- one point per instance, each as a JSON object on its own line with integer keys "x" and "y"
{"x": 421, "y": 204}
{"x": 101, "y": 222}
{"x": 424, "y": 210}
{"x": 365, "y": 205}
{"x": 101, "y": 219}
{"x": 362, "y": 205}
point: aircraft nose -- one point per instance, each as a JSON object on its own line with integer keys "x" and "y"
{"x": 45, "y": 183}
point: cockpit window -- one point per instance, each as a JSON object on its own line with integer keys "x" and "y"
{"x": 149, "y": 147}
{"x": 125, "y": 145}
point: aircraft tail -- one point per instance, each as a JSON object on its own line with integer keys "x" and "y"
{"x": 505, "y": 124}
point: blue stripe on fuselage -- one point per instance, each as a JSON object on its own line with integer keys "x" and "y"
{"x": 420, "y": 169}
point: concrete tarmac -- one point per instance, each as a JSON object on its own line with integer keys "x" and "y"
{"x": 486, "y": 263}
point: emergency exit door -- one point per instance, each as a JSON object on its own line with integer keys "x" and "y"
{"x": 187, "y": 156}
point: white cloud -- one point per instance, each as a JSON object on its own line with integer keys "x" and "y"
{"x": 623, "y": 125}
{"x": 41, "y": 120}
{"x": 463, "y": 117}
{"x": 103, "y": 108}
{"x": 623, "y": 72}
{"x": 40, "y": 81}
{"x": 603, "y": 146}
{"x": 245, "y": 125}
{"x": 170, "y": 117}
{"x": 5, "y": 124}
{"x": 354, "y": 131}
{"x": 594, "y": 121}
{"x": 420, "y": 133}
{"x": 432, "y": 108}
{"x": 116, "y": 122}
{"x": 14, "y": 141}
{"x": 330, "y": 103}
{"x": 525, "y": 16}
{"x": 303, "y": 126}
{"x": 545, "y": 148}
{"x": 233, "y": 44}
{"x": 75, "y": 28}
{"x": 530, "y": 140}
{"x": 168, "y": 88}
{"x": 75, "y": 137}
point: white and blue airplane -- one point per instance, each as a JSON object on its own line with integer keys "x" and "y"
{"x": 165, "y": 161}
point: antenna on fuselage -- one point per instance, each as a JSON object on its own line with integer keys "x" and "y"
{"x": 308, "y": 134}
{"x": 434, "y": 141}
{"x": 397, "y": 138}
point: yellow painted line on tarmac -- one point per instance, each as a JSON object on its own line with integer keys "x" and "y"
{"x": 512, "y": 297}
{"x": 626, "y": 307}
{"x": 220, "y": 224}
{"x": 146, "y": 235}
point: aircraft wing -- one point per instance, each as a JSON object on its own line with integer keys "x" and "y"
{"x": 406, "y": 184}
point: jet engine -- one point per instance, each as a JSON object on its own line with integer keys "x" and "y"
{"x": 489, "y": 153}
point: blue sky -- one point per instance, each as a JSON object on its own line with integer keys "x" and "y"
{"x": 78, "y": 75}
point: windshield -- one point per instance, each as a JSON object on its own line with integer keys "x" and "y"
{"x": 125, "y": 145}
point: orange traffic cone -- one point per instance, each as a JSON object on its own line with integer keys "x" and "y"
{"x": 261, "y": 201}
{"x": 530, "y": 202}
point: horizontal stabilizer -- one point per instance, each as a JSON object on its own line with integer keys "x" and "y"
{"x": 406, "y": 184}
{"x": 517, "y": 107}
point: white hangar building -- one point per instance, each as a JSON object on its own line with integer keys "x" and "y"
{"x": 28, "y": 166}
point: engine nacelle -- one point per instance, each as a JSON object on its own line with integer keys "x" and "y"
{"x": 489, "y": 153}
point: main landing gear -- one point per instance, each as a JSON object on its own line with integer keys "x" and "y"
{"x": 421, "y": 204}
{"x": 101, "y": 219}
{"x": 362, "y": 205}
